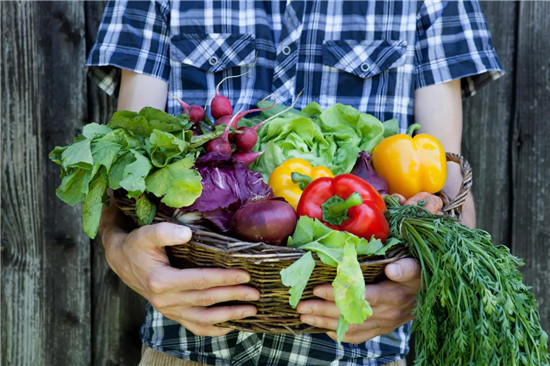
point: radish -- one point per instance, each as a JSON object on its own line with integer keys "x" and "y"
{"x": 247, "y": 157}
{"x": 221, "y": 144}
{"x": 196, "y": 113}
{"x": 223, "y": 120}
{"x": 220, "y": 105}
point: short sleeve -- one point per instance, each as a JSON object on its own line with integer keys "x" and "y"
{"x": 133, "y": 35}
{"x": 454, "y": 42}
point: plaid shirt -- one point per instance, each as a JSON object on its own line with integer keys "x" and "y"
{"x": 369, "y": 54}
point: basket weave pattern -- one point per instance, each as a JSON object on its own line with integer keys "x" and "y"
{"x": 264, "y": 263}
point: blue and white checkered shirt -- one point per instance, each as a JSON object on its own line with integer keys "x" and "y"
{"x": 368, "y": 54}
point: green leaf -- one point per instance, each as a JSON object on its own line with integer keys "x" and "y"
{"x": 163, "y": 121}
{"x": 116, "y": 173}
{"x": 131, "y": 121}
{"x": 93, "y": 130}
{"x": 78, "y": 155}
{"x": 391, "y": 127}
{"x": 134, "y": 174}
{"x": 145, "y": 210}
{"x": 74, "y": 186}
{"x": 349, "y": 288}
{"x": 105, "y": 152}
{"x": 124, "y": 138}
{"x": 296, "y": 276}
{"x": 341, "y": 329}
{"x": 329, "y": 256}
{"x": 177, "y": 183}
{"x": 56, "y": 154}
{"x": 92, "y": 206}
{"x": 167, "y": 140}
{"x": 165, "y": 147}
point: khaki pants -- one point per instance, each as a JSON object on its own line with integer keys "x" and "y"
{"x": 151, "y": 357}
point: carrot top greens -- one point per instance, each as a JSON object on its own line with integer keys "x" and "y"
{"x": 473, "y": 308}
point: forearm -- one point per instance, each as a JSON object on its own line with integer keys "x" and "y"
{"x": 136, "y": 91}
{"x": 438, "y": 108}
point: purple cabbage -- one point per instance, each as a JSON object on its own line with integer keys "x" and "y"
{"x": 227, "y": 184}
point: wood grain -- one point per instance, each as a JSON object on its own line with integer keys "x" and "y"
{"x": 487, "y": 131}
{"x": 531, "y": 152}
{"x": 46, "y": 269}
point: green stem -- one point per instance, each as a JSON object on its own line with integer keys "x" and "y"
{"x": 337, "y": 209}
{"x": 412, "y": 128}
{"x": 302, "y": 179}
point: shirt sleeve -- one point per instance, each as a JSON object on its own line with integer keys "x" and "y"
{"x": 133, "y": 35}
{"x": 454, "y": 42}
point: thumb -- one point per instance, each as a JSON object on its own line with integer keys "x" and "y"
{"x": 164, "y": 234}
{"x": 403, "y": 270}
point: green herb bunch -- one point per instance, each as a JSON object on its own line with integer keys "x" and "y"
{"x": 148, "y": 154}
{"x": 473, "y": 308}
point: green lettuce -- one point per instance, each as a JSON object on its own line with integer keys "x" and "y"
{"x": 336, "y": 249}
{"x": 332, "y": 137}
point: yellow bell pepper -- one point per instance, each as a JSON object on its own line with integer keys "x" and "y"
{"x": 282, "y": 184}
{"x": 411, "y": 164}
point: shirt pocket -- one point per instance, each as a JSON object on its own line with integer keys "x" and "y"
{"x": 213, "y": 52}
{"x": 364, "y": 59}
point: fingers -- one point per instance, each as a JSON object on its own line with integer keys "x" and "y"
{"x": 201, "y": 320}
{"x": 404, "y": 271}
{"x": 205, "y": 297}
{"x": 163, "y": 234}
{"x": 434, "y": 204}
{"x": 318, "y": 308}
{"x": 400, "y": 198}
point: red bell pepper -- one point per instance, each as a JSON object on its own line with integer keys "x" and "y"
{"x": 346, "y": 203}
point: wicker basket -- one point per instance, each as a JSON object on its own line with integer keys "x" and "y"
{"x": 264, "y": 263}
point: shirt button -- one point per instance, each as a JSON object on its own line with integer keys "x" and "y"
{"x": 213, "y": 60}
{"x": 286, "y": 50}
{"x": 364, "y": 67}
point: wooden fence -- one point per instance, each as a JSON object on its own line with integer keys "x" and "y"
{"x": 62, "y": 305}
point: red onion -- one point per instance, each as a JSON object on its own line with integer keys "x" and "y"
{"x": 270, "y": 221}
{"x": 363, "y": 169}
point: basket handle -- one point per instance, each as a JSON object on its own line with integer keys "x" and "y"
{"x": 453, "y": 206}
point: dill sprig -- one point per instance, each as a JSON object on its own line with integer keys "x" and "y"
{"x": 472, "y": 308}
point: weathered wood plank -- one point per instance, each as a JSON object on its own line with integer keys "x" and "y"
{"x": 118, "y": 312}
{"x": 486, "y": 136}
{"x": 63, "y": 111}
{"x": 531, "y": 152}
{"x": 46, "y": 270}
{"x": 22, "y": 297}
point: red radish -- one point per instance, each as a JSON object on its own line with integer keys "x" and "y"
{"x": 223, "y": 120}
{"x": 247, "y": 157}
{"x": 196, "y": 113}
{"x": 221, "y": 144}
{"x": 220, "y": 105}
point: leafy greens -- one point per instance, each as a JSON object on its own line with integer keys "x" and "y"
{"x": 147, "y": 153}
{"x": 337, "y": 249}
{"x": 332, "y": 137}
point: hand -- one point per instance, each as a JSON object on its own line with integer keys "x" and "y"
{"x": 434, "y": 204}
{"x": 392, "y": 302}
{"x": 139, "y": 259}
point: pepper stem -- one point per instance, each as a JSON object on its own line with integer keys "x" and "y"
{"x": 413, "y": 128}
{"x": 339, "y": 208}
{"x": 302, "y": 179}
